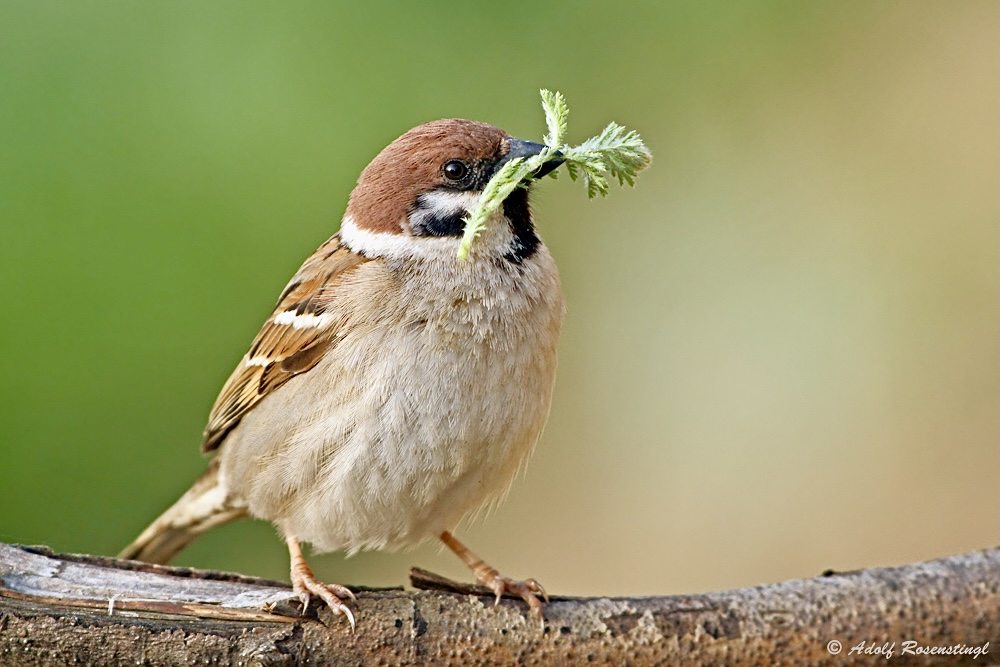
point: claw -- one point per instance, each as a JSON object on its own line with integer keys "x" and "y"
{"x": 350, "y": 617}
{"x": 498, "y": 590}
{"x": 538, "y": 589}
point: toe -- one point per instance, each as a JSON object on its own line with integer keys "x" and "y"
{"x": 537, "y": 608}
{"x": 342, "y": 591}
{"x": 537, "y": 588}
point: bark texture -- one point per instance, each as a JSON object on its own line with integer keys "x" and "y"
{"x": 87, "y": 610}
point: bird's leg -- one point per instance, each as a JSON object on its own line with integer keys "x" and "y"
{"x": 305, "y": 584}
{"x": 527, "y": 590}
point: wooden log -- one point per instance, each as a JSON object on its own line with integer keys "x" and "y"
{"x": 69, "y": 609}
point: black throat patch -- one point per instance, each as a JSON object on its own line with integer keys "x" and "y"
{"x": 526, "y": 241}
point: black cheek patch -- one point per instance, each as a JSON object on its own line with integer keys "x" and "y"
{"x": 451, "y": 224}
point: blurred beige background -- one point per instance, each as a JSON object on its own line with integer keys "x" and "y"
{"x": 781, "y": 351}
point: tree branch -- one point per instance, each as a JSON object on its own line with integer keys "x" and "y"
{"x": 64, "y": 609}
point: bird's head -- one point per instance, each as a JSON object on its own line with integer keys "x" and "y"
{"x": 411, "y": 200}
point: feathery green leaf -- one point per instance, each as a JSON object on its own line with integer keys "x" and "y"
{"x": 615, "y": 151}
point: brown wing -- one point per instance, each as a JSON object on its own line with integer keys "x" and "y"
{"x": 291, "y": 341}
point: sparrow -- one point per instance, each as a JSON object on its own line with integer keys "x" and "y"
{"x": 395, "y": 389}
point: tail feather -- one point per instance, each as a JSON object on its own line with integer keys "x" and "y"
{"x": 204, "y": 506}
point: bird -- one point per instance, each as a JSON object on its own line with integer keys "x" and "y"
{"x": 396, "y": 388}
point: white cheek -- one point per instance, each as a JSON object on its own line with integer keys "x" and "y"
{"x": 395, "y": 246}
{"x": 448, "y": 201}
{"x": 494, "y": 240}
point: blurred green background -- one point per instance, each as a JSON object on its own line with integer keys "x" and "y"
{"x": 781, "y": 351}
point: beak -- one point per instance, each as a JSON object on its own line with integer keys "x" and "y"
{"x": 526, "y": 149}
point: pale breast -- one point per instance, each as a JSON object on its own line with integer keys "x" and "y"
{"x": 423, "y": 410}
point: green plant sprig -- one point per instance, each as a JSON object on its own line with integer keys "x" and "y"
{"x": 615, "y": 151}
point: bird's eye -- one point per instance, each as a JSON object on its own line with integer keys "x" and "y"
{"x": 455, "y": 170}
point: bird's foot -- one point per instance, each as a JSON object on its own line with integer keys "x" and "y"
{"x": 528, "y": 590}
{"x": 305, "y": 584}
